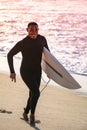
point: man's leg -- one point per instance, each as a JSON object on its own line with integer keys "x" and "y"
{"x": 28, "y": 104}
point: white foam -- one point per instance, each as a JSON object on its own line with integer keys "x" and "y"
{"x": 82, "y": 80}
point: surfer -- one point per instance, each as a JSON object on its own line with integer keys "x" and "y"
{"x": 31, "y": 48}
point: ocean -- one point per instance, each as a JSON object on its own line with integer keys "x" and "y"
{"x": 63, "y": 23}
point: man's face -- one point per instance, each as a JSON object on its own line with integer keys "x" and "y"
{"x": 32, "y": 31}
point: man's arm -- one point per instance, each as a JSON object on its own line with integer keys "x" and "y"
{"x": 45, "y": 44}
{"x": 10, "y": 55}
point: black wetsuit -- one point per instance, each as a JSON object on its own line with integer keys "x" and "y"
{"x": 30, "y": 69}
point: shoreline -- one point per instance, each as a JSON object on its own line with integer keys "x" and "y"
{"x": 81, "y": 79}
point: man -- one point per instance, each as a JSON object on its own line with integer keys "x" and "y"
{"x": 31, "y": 48}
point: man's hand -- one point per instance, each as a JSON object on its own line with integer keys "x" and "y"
{"x": 13, "y": 77}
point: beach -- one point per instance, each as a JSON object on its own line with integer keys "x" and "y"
{"x": 58, "y": 108}
{"x": 64, "y": 24}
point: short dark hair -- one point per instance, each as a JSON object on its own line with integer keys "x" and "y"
{"x": 32, "y": 23}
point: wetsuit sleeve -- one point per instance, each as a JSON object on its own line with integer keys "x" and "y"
{"x": 45, "y": 44}
{"x": 10, "y": 55}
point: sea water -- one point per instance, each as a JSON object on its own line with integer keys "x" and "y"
{"x": 63, "y": 23}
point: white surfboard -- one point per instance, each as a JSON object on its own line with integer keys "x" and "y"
{"x": 55, "y": 71}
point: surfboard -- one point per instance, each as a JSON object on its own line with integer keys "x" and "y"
{"x": 56, "y": 71}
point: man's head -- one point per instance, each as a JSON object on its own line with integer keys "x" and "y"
{"x": 32, "y": 30}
